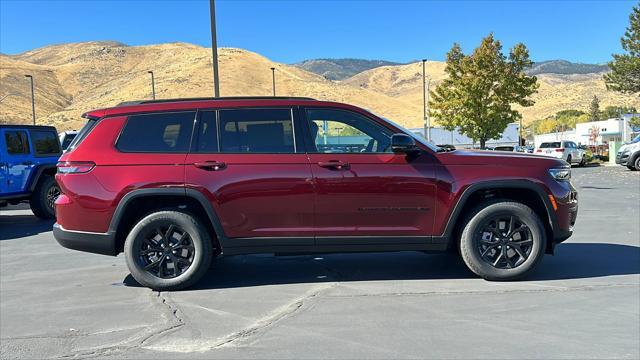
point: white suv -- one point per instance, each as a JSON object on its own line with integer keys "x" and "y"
{"x": 565, "y": 150}
{"x": 629, "y": 154}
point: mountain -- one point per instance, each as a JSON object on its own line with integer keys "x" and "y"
{"x": 338, "y": 69}
{"x": 71, "y": 79}
{"x": 565, "y": 67}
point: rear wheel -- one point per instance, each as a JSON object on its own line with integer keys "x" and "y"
{"x": 503, "y": 241}
{"x": 42, "y": 201}
{"x": 569, "y": 159}
{"x": 168, "y": 250}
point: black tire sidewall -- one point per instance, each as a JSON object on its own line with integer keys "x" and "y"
{"x": 186, "y": 222}
{"x": 470, "y": 252}
{"x": 636, "y": 163}
{"x": 38, "y": 201}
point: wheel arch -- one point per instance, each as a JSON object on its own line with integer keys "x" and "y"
{"x": 41, "y": 170}
{"x": 139, "y": 203}
{"x": 523, "y": 191}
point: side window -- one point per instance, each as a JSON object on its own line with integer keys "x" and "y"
{"x": 208, "y": 133}
{"x": 339, "y": 131}
{"x": 163, "y": 133}
{"x": 256, "y": 131}
{"x": 17, "y": 142}
{"x": 45, "y": 142}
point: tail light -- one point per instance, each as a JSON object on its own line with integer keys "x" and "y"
{"x": 538, "y": 150}
{"x": 75, "y": 167}
{"x": 559, "y": 150}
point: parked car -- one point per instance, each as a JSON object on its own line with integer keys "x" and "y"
{"x": 565, "y": 150}
{"x": 66, "y": 137}
{"x": 175, "y": 183}
{"x": 587, "y": 154}
{"x": 505, "y": 148}
{"x": 629, "y": 154}
{"x": 28, "y": 157}
{"x": 447, "y": 147}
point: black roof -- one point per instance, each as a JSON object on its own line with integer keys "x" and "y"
{"x": 139, "y": 102}
{"x": 34, "y": 127}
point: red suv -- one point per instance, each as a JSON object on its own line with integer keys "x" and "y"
{"x": 175, "y": 183}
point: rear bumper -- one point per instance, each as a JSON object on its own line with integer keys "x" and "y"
{"x": 98, "y": 243}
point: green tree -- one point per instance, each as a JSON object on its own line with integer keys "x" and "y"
{"x": 615, "y": 111}
{"x": 625, "y": 68}
{"x": 634, "y": 122}
{"x": 594, "y": 109}
{"x": 480, "y": 89}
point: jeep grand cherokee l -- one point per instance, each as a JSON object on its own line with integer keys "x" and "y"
{"x": 175, "y": 183}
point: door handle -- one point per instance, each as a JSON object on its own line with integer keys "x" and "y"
{"x": 210, "y": 165}
{"x": 334, "y": 164}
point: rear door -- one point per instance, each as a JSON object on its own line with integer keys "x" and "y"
{"x": 17, "y": 160}
{"x": 365, "y": 193}
{"x": 249, "y": 164}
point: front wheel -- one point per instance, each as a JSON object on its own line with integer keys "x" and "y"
{"x": 503, "y": 241}
{"x": 168, "y": 250}
{"x": 636, "y": 164}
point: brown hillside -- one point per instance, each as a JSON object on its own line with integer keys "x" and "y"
{"x": 73, "y": 78}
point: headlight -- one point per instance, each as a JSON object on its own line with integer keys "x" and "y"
{"x": 560, "y": 174}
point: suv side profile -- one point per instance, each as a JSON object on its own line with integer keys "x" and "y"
{"x": 566, "y": 150}
{"x": 176, "y": 183}
{"x": 28, "y": 157}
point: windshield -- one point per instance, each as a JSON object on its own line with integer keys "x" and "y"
{"x": 417, "y": 138}
{"x": 635, "y": 139}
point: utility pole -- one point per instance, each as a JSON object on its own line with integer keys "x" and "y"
{"x": 153, "y": 84}
{"x": 214, "y": 48}
{"x": 424, "y": 100}
{"x": 273, "y": 77}
{"x": 33, "y": 100}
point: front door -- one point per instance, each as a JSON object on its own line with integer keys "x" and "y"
{"x": 250, "y": 166}
{"x": 364, "y": 189}
{"x": 17, "y": 159}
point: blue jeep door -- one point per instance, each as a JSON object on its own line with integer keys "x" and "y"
{"x": 17, "y": 160}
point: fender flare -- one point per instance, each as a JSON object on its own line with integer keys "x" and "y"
{"x": 35, "y": 177}
{"x": 186, "y": 193}
{"x": 495, "y": 184}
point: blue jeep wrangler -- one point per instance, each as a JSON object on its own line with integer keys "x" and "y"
{"x": 28, "y": 157}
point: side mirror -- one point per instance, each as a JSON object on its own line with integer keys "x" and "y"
{"x": 403, "y": 143}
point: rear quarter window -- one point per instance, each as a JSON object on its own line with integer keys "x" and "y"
{"x": 157, "y": 133}
{"x": 17, "y": 142}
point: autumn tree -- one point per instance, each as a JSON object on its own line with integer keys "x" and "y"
{"x": 481, "y": 88}
{"x": 625, "y": 68}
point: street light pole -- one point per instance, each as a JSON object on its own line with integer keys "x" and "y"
{"x": 424, "y": 99}
{"x": 33, "y": 100}
{"x": 153, "y": 84}
{"x": 214, "y": 48}
{"x": 273, "y": 78}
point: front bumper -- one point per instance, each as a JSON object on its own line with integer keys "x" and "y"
{"x": 99, "y": 243}
{"x": 623, "y": 158}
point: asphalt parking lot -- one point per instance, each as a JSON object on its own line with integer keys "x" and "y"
{"x": 584, "y": 302}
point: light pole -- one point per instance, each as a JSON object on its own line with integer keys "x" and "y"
{"x": 153, "y": 84}
{"x": 33, "y": 100}
{"x": 214, "y": 48}
{"x": 425, "y": 92}
{"x": 273, "y": 79}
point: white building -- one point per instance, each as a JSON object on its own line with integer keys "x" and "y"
{"x": 440, "y": 136}
{"x": 593, "y": 133}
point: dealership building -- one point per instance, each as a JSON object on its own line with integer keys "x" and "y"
{"x": 594, "y": 133}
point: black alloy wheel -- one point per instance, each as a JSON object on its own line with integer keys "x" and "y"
{"x": 505, "y": 242}
{"x": 166, "y": 251}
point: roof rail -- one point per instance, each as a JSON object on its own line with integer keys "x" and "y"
{"x": 139, "y": 102}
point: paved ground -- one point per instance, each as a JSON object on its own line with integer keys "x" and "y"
{"x": 584, "y": 302}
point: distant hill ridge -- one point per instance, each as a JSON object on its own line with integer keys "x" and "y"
{"x": 340, "y": 69}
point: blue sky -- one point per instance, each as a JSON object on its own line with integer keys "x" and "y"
{"x": 290, "y": 31}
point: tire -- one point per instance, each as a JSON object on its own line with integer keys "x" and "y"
{"x": 569, "y": 159}
{"x": 631, "y": 167}
{"x": 144, "y": 247}
{"x": 636, "y": 163}
{"x": 582, "y": 162}
{"x": 478, "y": 253}
{"x": 43, "y": 197}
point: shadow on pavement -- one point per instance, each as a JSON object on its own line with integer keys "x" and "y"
{"x": 18, "y": 226}
{"x": 572, "y": 261}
